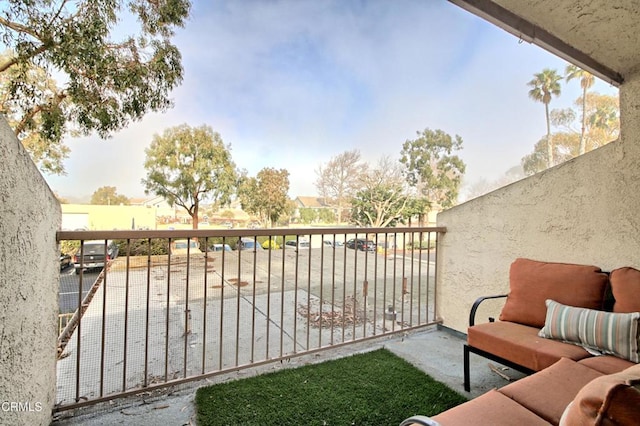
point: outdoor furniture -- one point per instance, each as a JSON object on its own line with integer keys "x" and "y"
{"x": 515, "y": 340}
{"x": 576, "y": 329}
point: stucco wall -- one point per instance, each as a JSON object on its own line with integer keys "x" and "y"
{"x": 29, "y": 277}
{"x": 584, "y": 211}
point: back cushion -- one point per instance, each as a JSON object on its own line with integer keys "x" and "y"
{"x": 625, "y": 285}
{"x": 531, "y": 283}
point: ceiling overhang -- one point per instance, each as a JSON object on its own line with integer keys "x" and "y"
{"x": 524, "y": 29}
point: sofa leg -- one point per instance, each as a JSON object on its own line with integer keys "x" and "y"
{"x": 467, "y": 381}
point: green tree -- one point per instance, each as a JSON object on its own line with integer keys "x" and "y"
{"x": 337, "y": 181}
{"x": 417, "y": 207}
{"x": 432, "y": 168}
{"x": 266, "y": 194}
{"x": 308, "y": 215}
{"x": 382, "y": 199}
{"x": 603, "y": 119}
{"x": 187, "y": 165}
{"x": 107, "y": 195}
{"x": 544, "y": 86}
{"x": 586, "y": 81}
{"x": 602, "y": 126}
{"x": 108, "y": 82}
{"x": 326, "y": 215}
{"x": 565, "y": 147}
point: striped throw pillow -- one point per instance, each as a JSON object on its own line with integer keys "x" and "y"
{"x": 599, "y": 331}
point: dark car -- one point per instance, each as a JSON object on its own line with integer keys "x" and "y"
{"x": 93, "y": 255}
{"x": 361, "y": 244}
{"x": 301, "y": 244}
{"x": 65, "y": 261}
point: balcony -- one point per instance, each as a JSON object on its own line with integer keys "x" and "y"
{"x": 174, "y": 307}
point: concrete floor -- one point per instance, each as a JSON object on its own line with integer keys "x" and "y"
{"x": 436, "y": 351}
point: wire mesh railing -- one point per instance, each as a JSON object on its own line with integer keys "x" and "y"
{"x": 174, "y": 306}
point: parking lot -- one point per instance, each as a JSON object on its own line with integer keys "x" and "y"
{"x": 69, "y": 287}
{"x": 158, "y": 318}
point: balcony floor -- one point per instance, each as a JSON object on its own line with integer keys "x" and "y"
{"x": 436, "y": 351}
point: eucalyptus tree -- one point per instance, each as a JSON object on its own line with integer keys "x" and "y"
{"x": 544, "y": 86}
{"x": 265, "y": 195}
{"x": 188, "y": 165}
{"x": 108, "y": 74}
{"x": 432, "y": 167}
{"x": 108, "y": 195}
{"x": 587, "y": 80}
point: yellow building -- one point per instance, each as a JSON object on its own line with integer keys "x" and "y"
{"x": 93, "y": 217}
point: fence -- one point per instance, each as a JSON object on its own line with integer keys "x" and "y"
{"x": 174, "y": 306}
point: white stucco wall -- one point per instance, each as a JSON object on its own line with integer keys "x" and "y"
{"x": 584, "y": 211}
{"x": 29, "y": 277}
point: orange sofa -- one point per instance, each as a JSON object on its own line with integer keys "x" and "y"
{"x": 566, "y": 393}
{"x": 576, "y": 329}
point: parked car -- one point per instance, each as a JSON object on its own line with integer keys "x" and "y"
{"x": 300, "y": 244}
{"x": 331, "y": 243}
{"x": 220, "y": 247}
{"x": 271, "y": 244}
{"x": 65, "y": 261}
{"x": 361, "y": 244}
{"x": 93, "y": 254}
{"x": 248, "y": 244}
{"x": 190, "y": 247}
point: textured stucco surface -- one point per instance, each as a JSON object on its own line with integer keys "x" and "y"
{"x": 29, "y": 276}
{"x": 604, "y": 29}
{"x": 584, "y": 211}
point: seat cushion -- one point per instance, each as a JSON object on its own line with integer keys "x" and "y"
{"x": 606, "y": 364}
{"x": 532, "y": 282}
{"x": 625, "y": 286}
{"x": 521, "y": 344}
{"x": 612, "y": 399}
{"x": 548, "y": 392}
{"x": 491, "y": 408}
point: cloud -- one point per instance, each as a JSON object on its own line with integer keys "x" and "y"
{"x": 290, "y": 84}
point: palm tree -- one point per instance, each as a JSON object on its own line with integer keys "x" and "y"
{"x": 544, "y": 86}
{"x": 586, "y": 81}
{"x": 605, "y": 124}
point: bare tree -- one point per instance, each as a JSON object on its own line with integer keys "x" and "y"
{"x": 383, "y": 199}
{"x": 338, "y": 180}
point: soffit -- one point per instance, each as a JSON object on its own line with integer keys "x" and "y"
{"x": 602, "y": 36}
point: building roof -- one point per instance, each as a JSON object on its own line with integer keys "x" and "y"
{"x": 310, "y": 202}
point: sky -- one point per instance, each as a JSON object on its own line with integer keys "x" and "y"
{"x": 291, "y": 84}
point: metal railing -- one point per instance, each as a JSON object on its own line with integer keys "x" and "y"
{"x": 164, "y": 312}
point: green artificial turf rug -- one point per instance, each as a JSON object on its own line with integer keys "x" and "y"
{"x": 374, "y": 388}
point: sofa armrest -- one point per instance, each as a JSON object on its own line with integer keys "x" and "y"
{"x": 476, "y": 305}
{"x": 419, "y": 420}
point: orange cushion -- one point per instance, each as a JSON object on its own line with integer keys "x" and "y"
{"x": 521, "y": 344}
{"x": 548, "y": 392}
{"x": 625, "y": 285}
{"x": 491, "y": 408}
{"x": 607, "y": 400}
{"x": 532, "y": 282}
{"x": 606, "y": 364}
